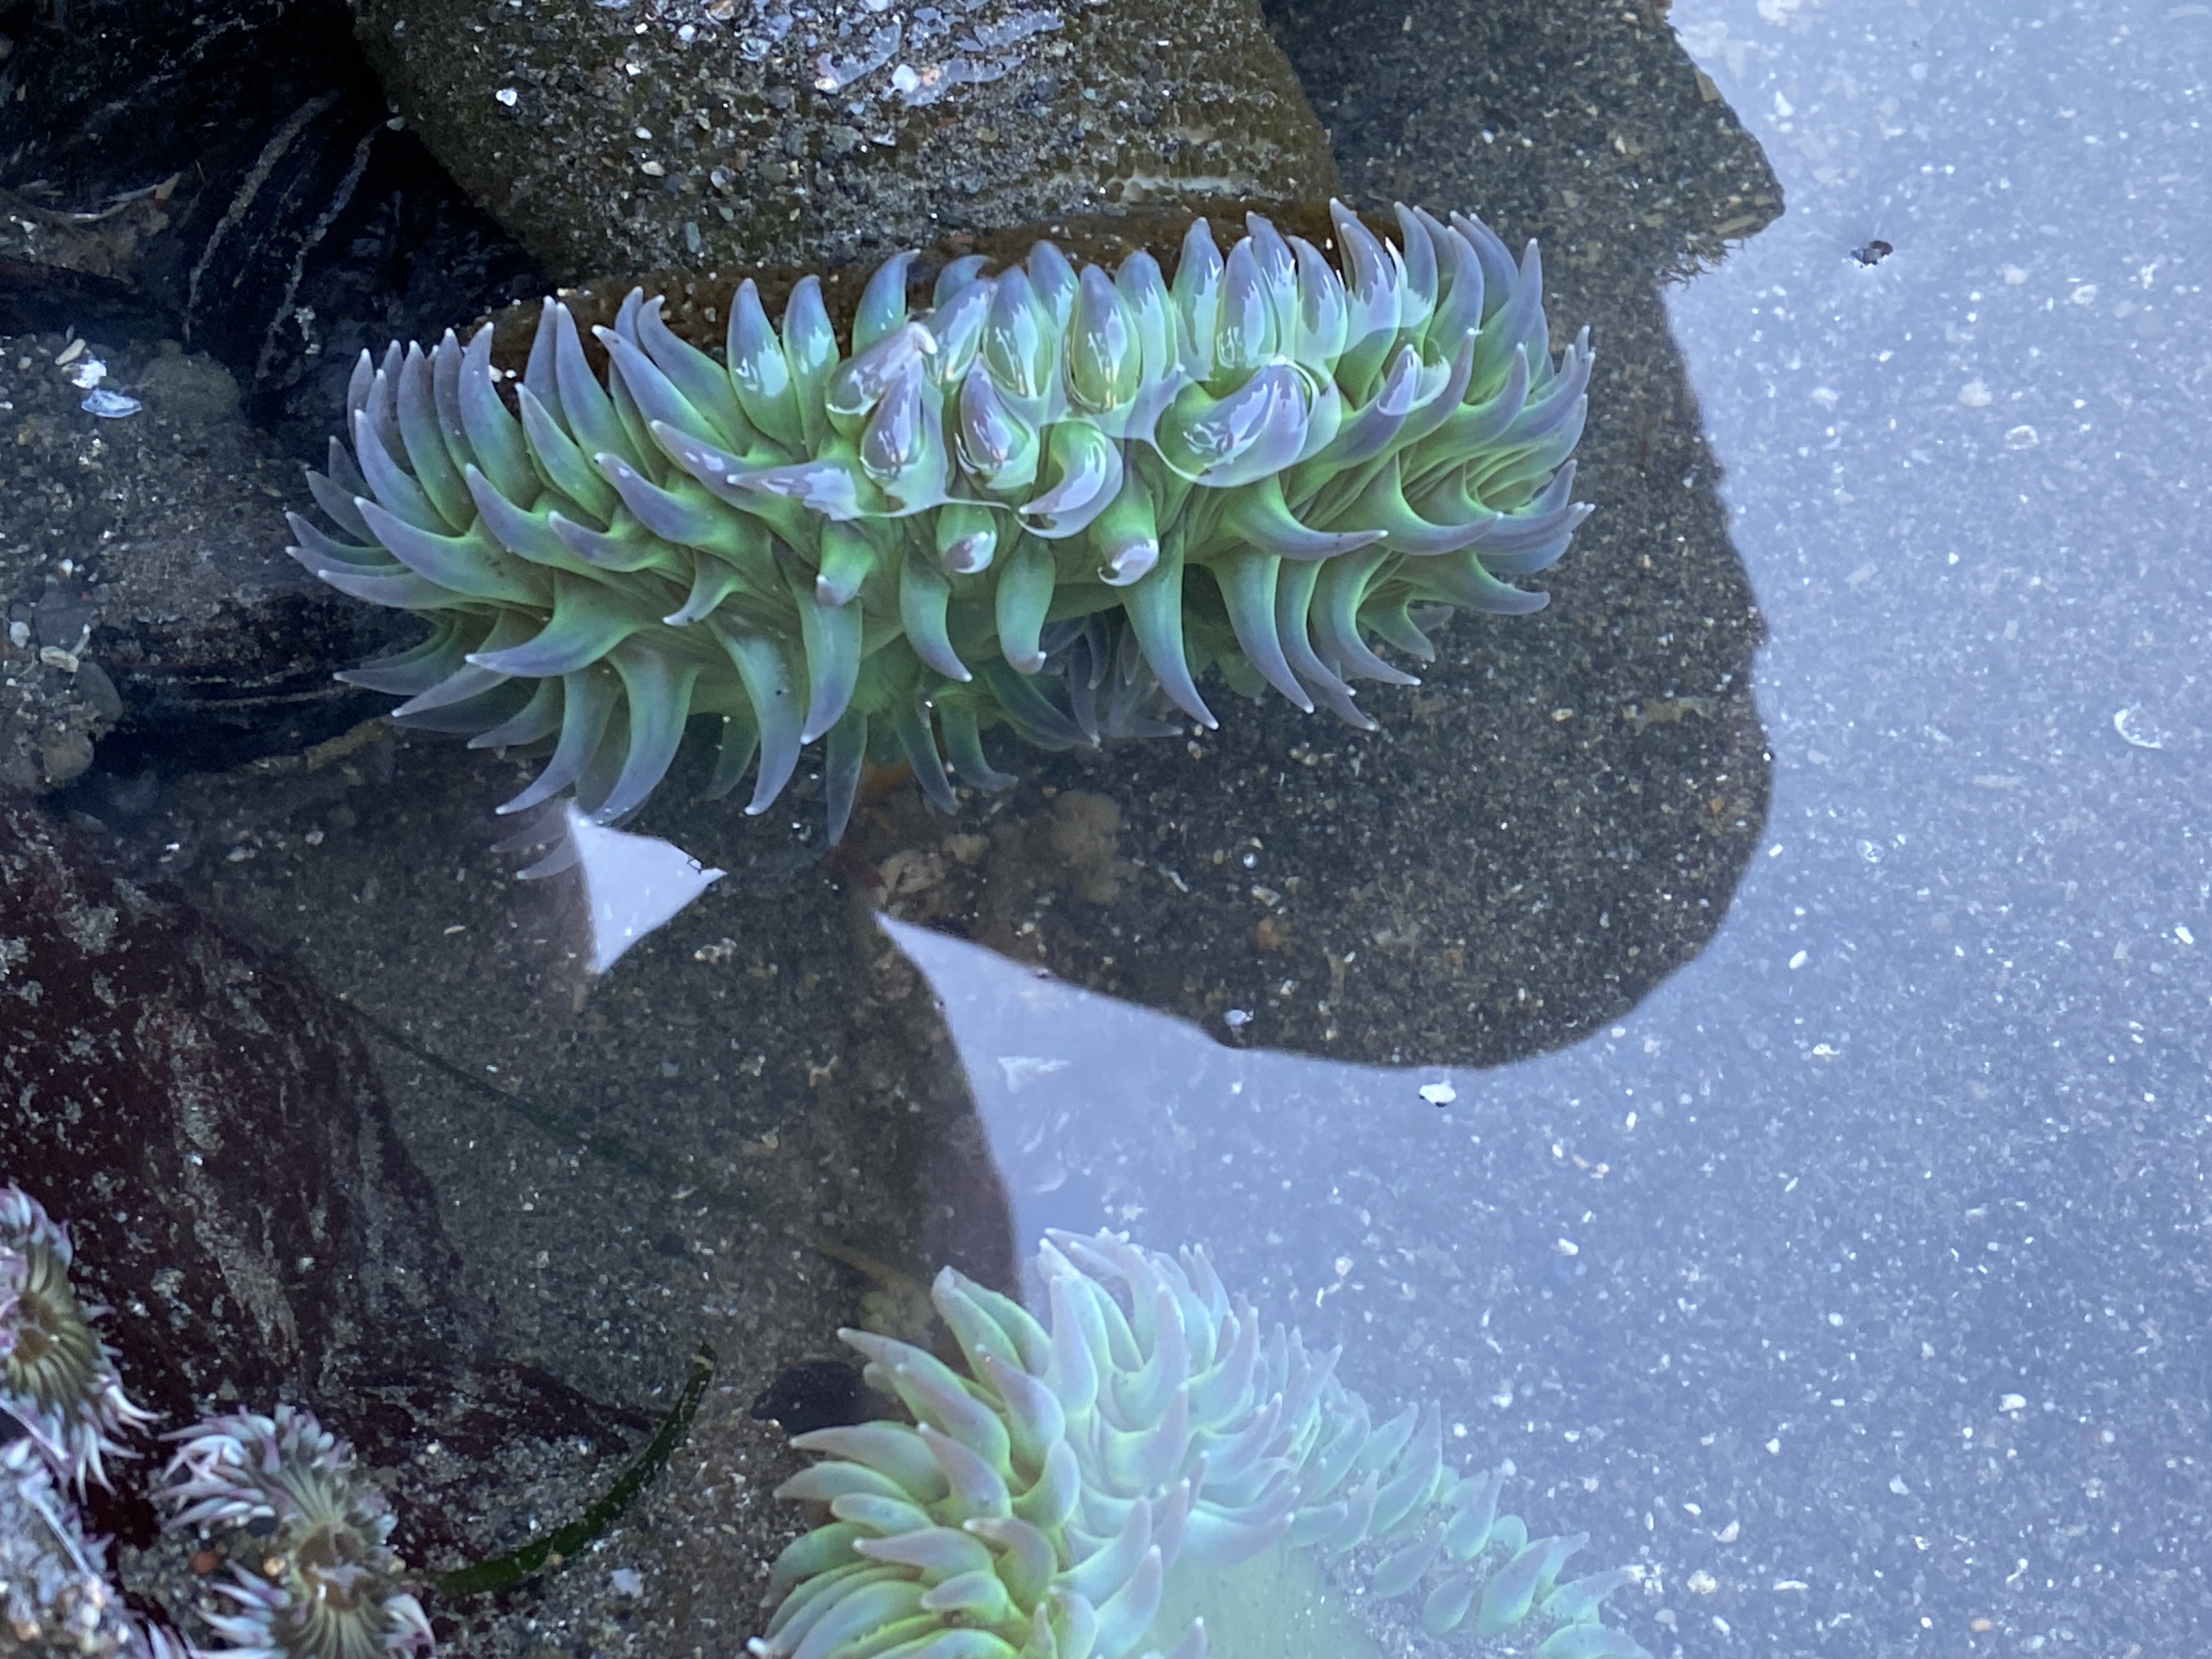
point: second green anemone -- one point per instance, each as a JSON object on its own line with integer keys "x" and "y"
{"x": 1053, "y": 500}
{"x": 1142, "y": 1425}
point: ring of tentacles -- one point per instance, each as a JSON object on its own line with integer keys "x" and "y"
{"x": 1052, "y": 500}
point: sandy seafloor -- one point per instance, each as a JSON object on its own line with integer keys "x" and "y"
{"x": 1854, "y": 1283}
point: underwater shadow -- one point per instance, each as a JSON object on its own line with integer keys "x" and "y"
{"x": 1556, "y": 819}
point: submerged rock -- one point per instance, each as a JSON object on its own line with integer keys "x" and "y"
{"x": 205, "y": 1121}
{"x": 628, "y": 134}
{"x": 143, "y": 576}
{"x": 1556, "y": 818}
{"x": 227, "y": 174}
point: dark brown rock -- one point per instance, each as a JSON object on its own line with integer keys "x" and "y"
{"x": 205, "y": 1119}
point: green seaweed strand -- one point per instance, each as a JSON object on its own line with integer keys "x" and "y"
{"x": 519, "y": 1566}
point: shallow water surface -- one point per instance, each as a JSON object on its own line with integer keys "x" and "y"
{"x": 1855, "y": 1282}
{"x": 1782, "y": 1137}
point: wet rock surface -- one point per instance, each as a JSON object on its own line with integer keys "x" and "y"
{"x": 229, "y": 177}
{"x": 142, "y": 573}
{"x": 737, "y": 132}
{"x": 205, "y": 1117}
{"x": 213, "y": 207}
{"x": 753, "y": 1131}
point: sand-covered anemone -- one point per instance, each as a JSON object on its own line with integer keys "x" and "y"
{"x": 55, "y": 1596}
{"x": 1049, "y": 498}
{"x": 312, "y": 1575}
{"x": 58, "y": 1379}
{"x": 1143, "y": 1425}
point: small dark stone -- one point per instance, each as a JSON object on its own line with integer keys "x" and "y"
{"x": 818, "y": 1393}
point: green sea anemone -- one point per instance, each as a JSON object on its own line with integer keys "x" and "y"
{"x": 1051, "y": 500}
{"x": 1038, "y": 1503}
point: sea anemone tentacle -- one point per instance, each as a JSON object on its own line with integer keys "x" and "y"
{"x": 1329, "y": 443}
{"x": 58, "y": 1379}
{"x": 1141, "y": 1424}
{"x": 56, "y": 1595}
{"x": 312, "y": 1575}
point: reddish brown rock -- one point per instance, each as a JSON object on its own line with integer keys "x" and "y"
{"x": 205, "y": 1119}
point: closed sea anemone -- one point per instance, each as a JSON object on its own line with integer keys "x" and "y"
{"x": 56, "y": 1601}
{"x": 1052, "y": 499}
{"x": 312, "y": 1575}
{"x": 1145, "y": 1426}
{"x": 58, "y": 1379}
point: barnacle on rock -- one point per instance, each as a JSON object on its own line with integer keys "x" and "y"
{"x": 1051, "y": 500}
{"x": 1145, "y": 1426}
{"x": 58, "y": 1379}
{"x": 312, "y": 1575}
{"x": 56, "y": 1601}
